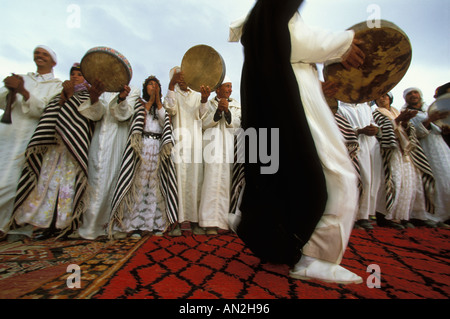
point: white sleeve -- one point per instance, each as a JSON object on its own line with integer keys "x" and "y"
{"x": 317, "y": 45}
{"x": 124, "y": 110}
{"x": 94, "y": 111}
{"x": 170, "y": 103}
{"x": 37, "y": 102}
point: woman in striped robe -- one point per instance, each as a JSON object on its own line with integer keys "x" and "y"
{"x": 52, "y": 189}
{"x": 145, "y": 197}
{"x": 409, "y": 181}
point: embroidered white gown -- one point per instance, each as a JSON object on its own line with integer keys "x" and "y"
{"x": 147, "y": 214}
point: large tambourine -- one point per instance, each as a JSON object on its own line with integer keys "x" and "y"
{"x": 203, "y": 65}
{"x": 108, "y": 66}
{"x": 441, "y": 104}
{"x": 388, "y": 56}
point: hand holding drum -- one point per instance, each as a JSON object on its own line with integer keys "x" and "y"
{"x": 107, "y": 66}
{"x": 372, "y": 67}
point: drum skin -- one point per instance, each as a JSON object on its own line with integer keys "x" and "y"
{"x": 202, "y": 65}
{"x": 107, "y": 65}
{"x": 388, "y": 57}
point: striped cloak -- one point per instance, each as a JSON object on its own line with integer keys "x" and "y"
{"x": 352, "y": 144}
{"x": 237, "y": 173}
{"x": 388, "y": 142}
{"x": 125, "y": 191}
{"x": 76, "y": 132}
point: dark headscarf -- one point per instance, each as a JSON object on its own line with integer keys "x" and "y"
{"x": 79, "y": 87}
{"x": 279, "y": 211}
{"x": 442, "y": 90}
{"x": 146, "y": 96}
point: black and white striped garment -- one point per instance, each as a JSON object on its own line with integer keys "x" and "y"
{"x": 167, "y": 173}
{"x": 388, "y": 142}
{"x": 352, "y": 144}
{"x": 237, "y": 173}
{"x": 76, "y": 132}
{"x": 131, "y": 161}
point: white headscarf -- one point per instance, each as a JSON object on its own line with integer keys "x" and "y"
{"x": 408, "y": 90}
{"x": 226, "y": 80}
{"x": 173, "y": 71}
{"x": 50, "y": 51}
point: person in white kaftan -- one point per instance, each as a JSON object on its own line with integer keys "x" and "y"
{"x": 361, "y": 119}
{"x": 187, "y": 108}
{"x": 218, "y": 138}
{"x": 32, "y": 93}
{"x": 52, "y": 195}
{"x": 322, "y": 254}
{"x": 438, "y": 154}
{"x": 327, "y": 245}
{"x": 105, "y": 155}
{"x": 403, "y": 187}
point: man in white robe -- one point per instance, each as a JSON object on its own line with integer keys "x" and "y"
{"x": 438, "y": 154}
{"x": 322, "y": 254}
{"x": 223, "y": 117}
{"x": 187, "y": 108}
{"x": 32, "y": 93}
{"x": 105, "y": 155}
{"x": 370, "y": 161}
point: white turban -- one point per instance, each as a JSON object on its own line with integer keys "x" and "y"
{"x": 408, "y": 90}
{"x": 50, "y": 51}
{"x": 405, "y": 93}
{"x": 226, "y": 80}
{"x": 173, "y": 71}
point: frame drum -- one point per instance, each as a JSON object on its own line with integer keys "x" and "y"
{"x": 202, "y": 65}
{"x": 108, "y": 66}
{"x": 388, "y": 57}
{"x": 441, "y": 104}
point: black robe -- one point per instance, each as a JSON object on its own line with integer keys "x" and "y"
{"x": 279, "y": 211}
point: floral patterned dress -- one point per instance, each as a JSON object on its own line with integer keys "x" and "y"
{"x": 54, "y": 192}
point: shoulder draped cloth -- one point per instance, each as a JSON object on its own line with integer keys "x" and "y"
{"x": 125, "y": 191}
{"x": 279, "y": 211}
{"x": 76, "y": 132}
{"x": 389, "y": 142}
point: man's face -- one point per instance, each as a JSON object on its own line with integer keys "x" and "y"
{"x": 413, "y": 98}
{"x": 224, "y": 91}
{"x": 43, "y": 59}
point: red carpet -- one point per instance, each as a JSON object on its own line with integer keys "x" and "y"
{"x": 414, "y": 264}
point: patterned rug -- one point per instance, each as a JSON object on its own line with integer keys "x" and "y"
{"x": 410, "y": 264}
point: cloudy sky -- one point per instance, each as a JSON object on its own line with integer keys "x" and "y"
{"x": 155, "y": 34}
